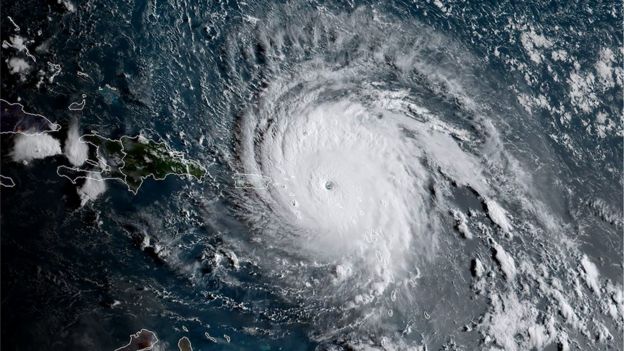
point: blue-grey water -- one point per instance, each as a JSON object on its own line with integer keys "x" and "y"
{"x": 345, "y": 143}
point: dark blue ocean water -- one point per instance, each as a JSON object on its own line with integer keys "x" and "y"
{"x": 81, "y": 278}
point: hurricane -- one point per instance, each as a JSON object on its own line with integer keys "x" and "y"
{"x": 364, "y": 144}
{"x": 311, "y": 175}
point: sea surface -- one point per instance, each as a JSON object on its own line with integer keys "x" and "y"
{"x": 382, "y": 175}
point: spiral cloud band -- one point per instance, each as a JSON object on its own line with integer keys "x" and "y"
{"x": 343, "y": 162}
{"x": 364, "y": 148}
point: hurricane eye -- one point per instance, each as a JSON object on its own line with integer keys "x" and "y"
{"x": 401, "y": 163}
{"x": 329, "y": 185}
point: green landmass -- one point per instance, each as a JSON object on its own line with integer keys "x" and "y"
{"x": 132, "y": 160}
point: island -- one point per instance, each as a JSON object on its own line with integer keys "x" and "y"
{"x": 143, "y": 340}
{"x": 13, "y": 120}
{"x": 131, "y": 160}
{"x": 184, "y": 344}
{"x": 7, "y": 182}
{"x": 29, "y": 131}
{"x": 92, "y": 157}
{"x": 146, "y": 340}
